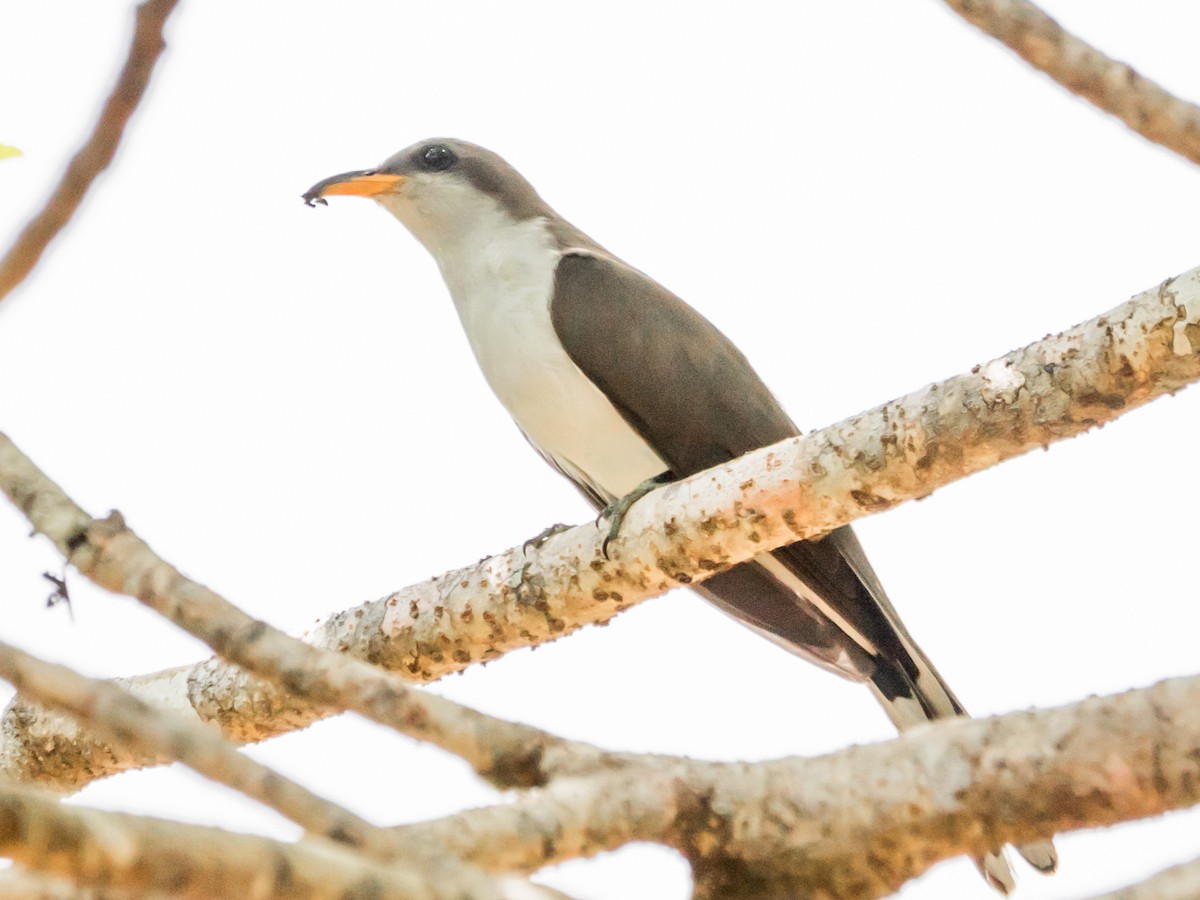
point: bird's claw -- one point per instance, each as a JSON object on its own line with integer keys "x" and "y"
{"x": 616, "y": 511}
{"x": 613, "y": 529}
{"x": 544, "y": 535}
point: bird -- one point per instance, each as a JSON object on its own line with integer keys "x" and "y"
{"x": 621, "y": 386}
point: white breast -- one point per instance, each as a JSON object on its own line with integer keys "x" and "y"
{"x": 501, "y": 273}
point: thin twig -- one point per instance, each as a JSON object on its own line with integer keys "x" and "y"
{"x": 158, "y": 856}
{"x": 860, "y": 822}
{"x": 110, "y": 554}
{"x": 97, "y": 152}
{"x": 117, "y": 716}
{"x": 1110, "y": 85}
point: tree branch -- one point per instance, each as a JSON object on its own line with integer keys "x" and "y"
{"x": 325, "y": 682}
{"x": 137, "y": 728}
{"x": 860, "y": 822}
{"x": 160, "y": 856}
{"x": 97, "y": 152}
{"x": 800, "y": 488}
{"x": 1112, "y": 86}
{"x": 857, "y": 823}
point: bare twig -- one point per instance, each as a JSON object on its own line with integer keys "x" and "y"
{"x": 159, "y": 856}
{"x": 800, "y": 488}
{"x": 857, "y": 823}
{"x": 110, "y": 554}
{"x": 97, "y": 152}
{"x": 133, "y": 725}
{"x": 1112, "y": 86}
{"x": 860, "y": 822}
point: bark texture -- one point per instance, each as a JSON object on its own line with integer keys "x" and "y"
{"x": 99, "y": 149}
{"x": 1108, "y": 84}
{"x": 137, "y": 853}
{"x": 140, "y": 729}
{"x": 860, "y": 822}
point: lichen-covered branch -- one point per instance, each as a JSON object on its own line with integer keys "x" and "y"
{"x": 76, "y": 853}
{"x": 160, "y": 856}
{"x": 101, "y": 146}
{"x": 800, "y": 488}
{"x": 860, "y": 822}
{"x": 853, "y": 824}
{"x": 325, "y": 682}
{"x": 136, "y": 727}
{"x": 1112, "y": 86}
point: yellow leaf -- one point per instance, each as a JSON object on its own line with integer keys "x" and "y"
{"x": 7, "y": 151}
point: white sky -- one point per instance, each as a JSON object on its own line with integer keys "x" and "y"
{"x": 866, "y": 197}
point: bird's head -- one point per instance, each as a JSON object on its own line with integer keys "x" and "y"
{"x": 440, "y": 189}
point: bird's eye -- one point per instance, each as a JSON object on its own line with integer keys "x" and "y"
{"x": 437, "y": 157}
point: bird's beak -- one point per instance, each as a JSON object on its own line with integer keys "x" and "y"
{"x": 365, "y": 183}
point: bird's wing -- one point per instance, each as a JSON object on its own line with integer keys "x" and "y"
{"x": 694, "y": 398}
{"x": 680, "y": 383}
{"x": 691, "y": 394}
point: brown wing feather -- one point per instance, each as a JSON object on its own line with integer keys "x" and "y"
{"x": 696, "y": 400}
{"x": 691, "y": 393}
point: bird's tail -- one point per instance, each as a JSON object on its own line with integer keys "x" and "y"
{"x": 927, "y": 697}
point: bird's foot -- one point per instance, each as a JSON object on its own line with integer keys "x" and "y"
{"x": 544, "y": 535}
{"x": 1041, "y": 855}
{"x": 616, "y": 511}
